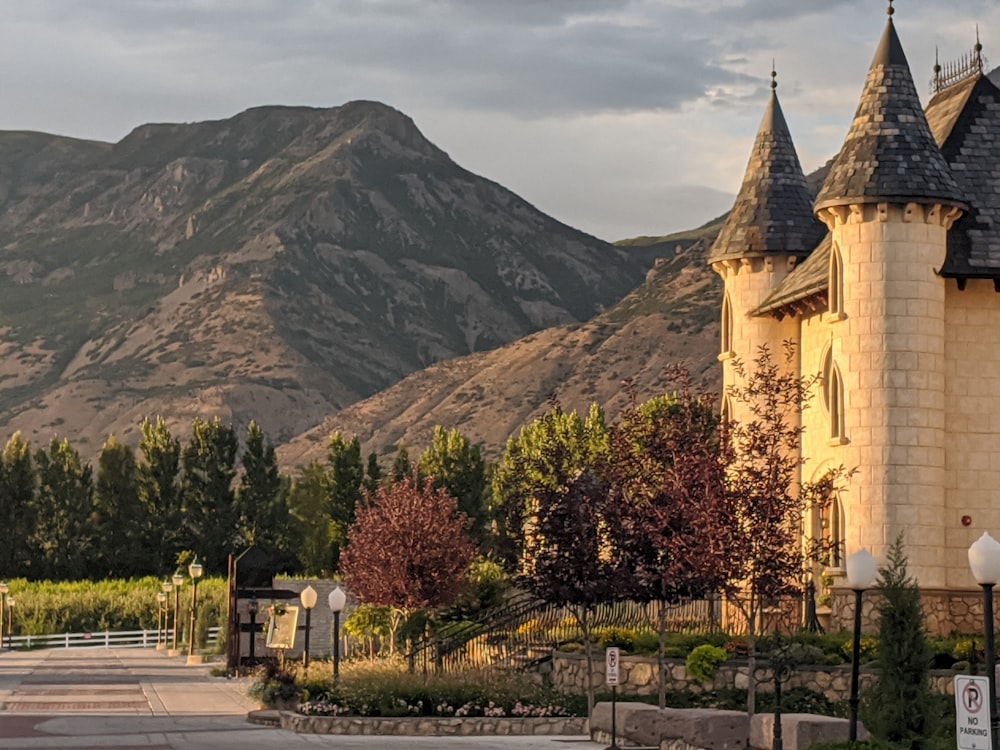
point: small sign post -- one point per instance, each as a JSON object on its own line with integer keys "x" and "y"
{"x": 972, "y": 712}
{"x": 611, "y": 661}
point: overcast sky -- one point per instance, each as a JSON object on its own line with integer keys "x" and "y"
{"x": 619, "y": 117}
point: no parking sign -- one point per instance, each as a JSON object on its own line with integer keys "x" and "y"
{"x": 972, "y": 712}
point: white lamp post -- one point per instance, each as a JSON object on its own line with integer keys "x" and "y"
{"x": 10, "y": 622}
{"x": 308, "y": 598}
{"x": 861, "y": 573}
{"x": 337, "y": 601}
{"x": 161, "y": 626}
{"x": 4, "y": 588}
{"x": 984, "y": 560}
{"x": 195, "y": 570}
{"x": 167, "y": 588}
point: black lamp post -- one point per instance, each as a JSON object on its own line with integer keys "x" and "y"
{"x": 4, "y": 588}
{"x": 861, "y": 573}
{"x": 178, "y": 581}
{"x": 337, "y": 601}
{"x": 252, "y": 609}
{"x": 195, "y": 570}
{"x": 984, "y": 560}
{"x": 308, "y": 599}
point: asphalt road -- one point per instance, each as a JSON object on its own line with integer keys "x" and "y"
{"x": 141, "y": 699}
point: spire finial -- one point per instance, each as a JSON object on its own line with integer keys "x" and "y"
{"x": 774, "y": 76}
{"x": 891, "y": 10}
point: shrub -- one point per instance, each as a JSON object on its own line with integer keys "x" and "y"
{"x": 273, "y": 685}
{"x": 703, "y": 661}
{"x": 620, "y": 637}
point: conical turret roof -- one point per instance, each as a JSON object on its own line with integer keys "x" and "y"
{"x": 889, "y": 154}
{"x": 773, "y": 211}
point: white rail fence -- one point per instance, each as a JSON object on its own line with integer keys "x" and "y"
{"x": 114, "y": 639}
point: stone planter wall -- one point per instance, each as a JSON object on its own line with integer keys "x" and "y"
{"x": 946, "y": 611}
{"x": 431, "y": 727}
{"x": 637, "y": 675}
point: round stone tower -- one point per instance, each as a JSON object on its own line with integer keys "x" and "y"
{"x": 769, "y": 230}
{"x": 888, "y": 202}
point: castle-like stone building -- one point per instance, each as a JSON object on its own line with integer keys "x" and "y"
{"x": 887, "y": 282}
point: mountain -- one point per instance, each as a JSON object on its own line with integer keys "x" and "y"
{"x": 672, "y": 318}
{"x": 279, "y": 265}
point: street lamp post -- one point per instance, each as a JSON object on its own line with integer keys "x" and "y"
{"x": 195, "y": 570}
{"x": 336, "y": 601}
{"x": 10, "y": 622}
{"x": 167, "y": 588}
{"x": 861, "y": 573}
{"x": 178, "y": 581}
{"x": 308, "y": 598}
{"x": 984, "y": 560}
{"x": 4, "y": 588}
{"x": 161, "y": 625}
{"x": 252, "y": 609}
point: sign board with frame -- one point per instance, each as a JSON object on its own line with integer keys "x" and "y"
{"x": 972, "y": 712}
{"x": 282, "y": 628}
{"x": 612, "y": 658}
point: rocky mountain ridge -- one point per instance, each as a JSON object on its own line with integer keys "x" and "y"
{"x": 279, "y": 266}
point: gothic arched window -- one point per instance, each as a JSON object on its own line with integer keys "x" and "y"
{"x": 836, "y": 282}
{"x": 727, "y": 327}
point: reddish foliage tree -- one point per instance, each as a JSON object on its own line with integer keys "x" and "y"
{"x": 409, "y": 549}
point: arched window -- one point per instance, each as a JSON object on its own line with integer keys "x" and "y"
{"x": 833, "y": 531}
{"x": 727, "y": 327}
{"x": 836, "y": 283}
{"x": 833, "y": 398}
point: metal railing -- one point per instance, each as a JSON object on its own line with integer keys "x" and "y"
{"x": 106, "y": 639}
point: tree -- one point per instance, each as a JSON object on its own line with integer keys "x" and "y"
{"x": 117, "y": 506}
{"x": 309, "y": 505}
{"x": 345, "y": 479}
{"x": 769, "y": 502}
{"x": 669, "y": 505}
{"x": 209, "y": 461}
{"x": 544, "y": 455}
{"x": 457, "y": 466}
{"x": 373, "y": 475}
{"x": 402, "y": 467}
{"x": 900, "y": 707}
{"x": 262, "y": 511}
{"x": 568, "y": 552}
{"x": 159, "y": 489}
{"x": 18, "y": 482}
{"x": 409, "y": 549}
{"x": 64, "y": 535}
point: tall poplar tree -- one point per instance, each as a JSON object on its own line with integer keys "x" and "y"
{"x": 18, "y": 483}
{"x": 209, "y": 461}
{"x": 64, "y": 536}
{"x": 159, "y": 491}
{"x": 455, "y": 465}
{"x": 262, "y": 512}
{"x": 346, "y": 476}
{"x": 118, "y": 508}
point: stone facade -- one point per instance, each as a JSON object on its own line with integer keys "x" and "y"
{"x": 897, "y": 310}
{"x": 637, "y": 675}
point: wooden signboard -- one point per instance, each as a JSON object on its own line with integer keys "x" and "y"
{"x": 282, "y": 629}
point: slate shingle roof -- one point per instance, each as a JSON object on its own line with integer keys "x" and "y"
{"x": 965, "y": 119}
{"x": 810, "y": 278}
{"x": 889, "y": 153}
{"x": 773, "y": 211}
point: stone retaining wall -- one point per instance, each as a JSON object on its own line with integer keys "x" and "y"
{"x": 431, "y": 727}
{"x": 637, "y": 675}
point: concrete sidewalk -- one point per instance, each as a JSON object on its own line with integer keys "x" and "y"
{"x": 90, "y": 699}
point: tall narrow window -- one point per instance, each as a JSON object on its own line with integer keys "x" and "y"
{"x": 833, "y": 531}
{"x": 836, "y": 282}
{"x": 833, "y": 398}
{"x": 727, "y": 328}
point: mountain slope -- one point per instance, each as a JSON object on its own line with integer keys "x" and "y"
{"x": 277, "y": 266}
{"x": 672, "y": 318}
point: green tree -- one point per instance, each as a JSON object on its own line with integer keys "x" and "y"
{"x": 345, "y": 480}
{"x": 64, "y": 535}
{"x": 309, "y": 505}
{"x": 209, "y": 502}
{"x": 545, "y": 455}
{"x": 456, "y": 465}
{"x": 402, "y": 467}
{"x": 118, "y": 507}
{"x": 373, "y": 475}
{"x": 263, "y": 517}
{"x": 18, "y": 482}
{"x": 159, "y": 490}
{"x": 900, "y": 706}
